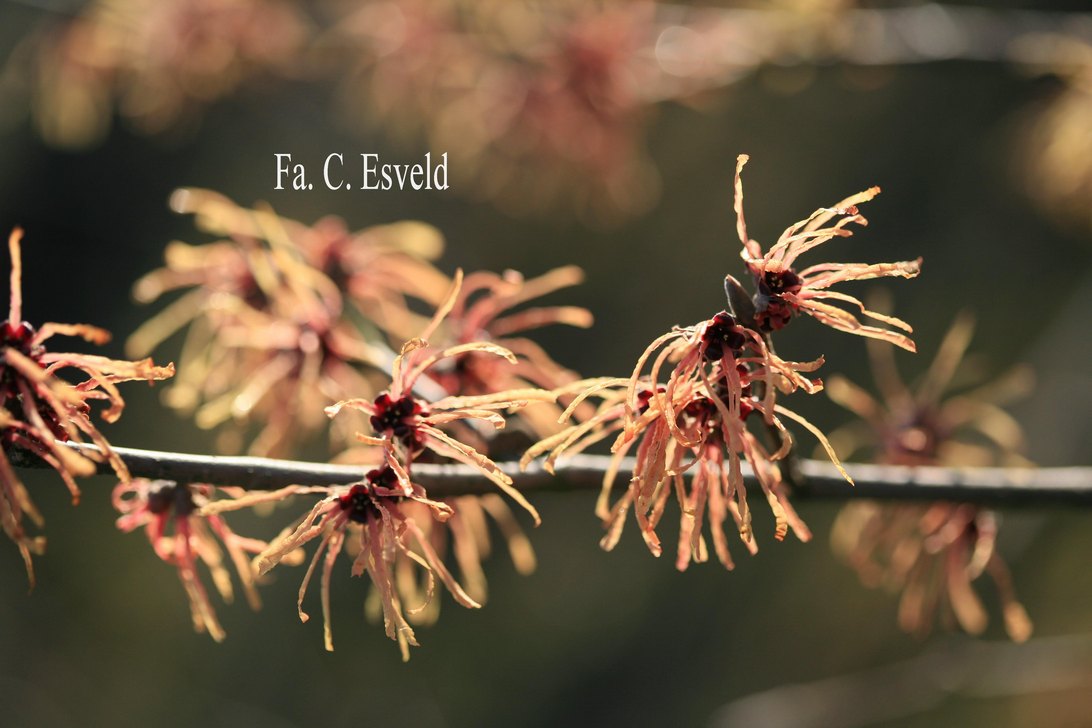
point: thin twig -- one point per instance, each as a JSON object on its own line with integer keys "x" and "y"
{"x": 993, "y": 486}
{"x": 708, "y": 47}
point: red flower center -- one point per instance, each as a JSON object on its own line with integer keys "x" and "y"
{"x": 163, "y": 495}
{"x": 20, "y": 339}
{"x": 644, "y": 398}
{"x": 358, "y": 501}
{"x": 723, "y": 333}
{"x": 771, "y": 311}
{"x": 400, "y": 419}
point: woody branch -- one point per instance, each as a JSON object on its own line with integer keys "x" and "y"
{"x": 819, "y": 479}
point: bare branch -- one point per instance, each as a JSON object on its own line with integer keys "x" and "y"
{"x": 992, "y": 486}
{"x": 706, "y": 47}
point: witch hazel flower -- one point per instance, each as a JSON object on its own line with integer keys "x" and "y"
{"x": 931, "y": 554}
{"x": 40, "y": 411}
{"x": 375, "y": 514}
{"x": 465, "y": 540}
{"x": 184, "y": 537}
{"x": 696, "y": 421}
{"x": 405, "y": 426}
{"x": 379, "y": 519}
{"x": 940, "y": 420}
{"x": 783, "y": 291}
{"x": 271, "y": 316}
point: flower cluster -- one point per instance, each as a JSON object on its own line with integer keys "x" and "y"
{"x": 281, "y": 322}
{"x": 390, "y": 518}
{"x": 931, "y": 553}
{"x": 42, "y": 412}
{"x": 285, "y": 322}
{"x": 697, "y": 421}
{"x": 271, "y": 311}
{"x": 375, "y": 515}
{"x": 723, "y": 385}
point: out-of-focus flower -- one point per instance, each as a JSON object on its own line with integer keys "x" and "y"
{"x": 931, "y": 553}
{"x": 405, "y": 425}
{"x": 271, "y": 338}
{"x": 537, "y": 103}
{"x": 696, "y": 421}
{"x": 159, "y": 62}
{"x": 181, "y": 536}
{"x": 375, "y": 514}
{"x": 488, "y": 309}
{"x": 783, "y": 292}
{"x": 40, "y": 410}
{"x": 932, "y": 424}
{"x": 381, "y": 516}
{"x": 1058, "y": 149}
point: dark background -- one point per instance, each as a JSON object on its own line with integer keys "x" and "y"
{"x": 591, "y": 638}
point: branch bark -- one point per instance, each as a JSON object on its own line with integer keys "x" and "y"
{"x": 989, "y": 486}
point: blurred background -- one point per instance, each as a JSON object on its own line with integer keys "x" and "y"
{"x": 601, "y": 134}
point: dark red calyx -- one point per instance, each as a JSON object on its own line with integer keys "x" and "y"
{"x": 700, "y": 408}
{"x": 18, "y": 336}
{"x": 785, "y": 281}
{"x": 644, "y": 398}
{"x": 723, "y": 333}
{"x": 704, "y": 409}
{"x": 399, "y": 417}
{"x": 384, "y": 477}
{"x": 252, "y": 293}
{"x": 165, "y": 495}
{"x": 358, "y": 501}
{"x": 772, "y": 312}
